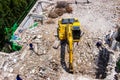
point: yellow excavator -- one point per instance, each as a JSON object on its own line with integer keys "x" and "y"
{"x": 69, "y": 30}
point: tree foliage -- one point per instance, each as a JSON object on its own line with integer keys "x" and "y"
{"x": 10, "y": 11}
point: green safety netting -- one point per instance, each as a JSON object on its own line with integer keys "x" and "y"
{"x": 10, "y": 31}
{"x": 16, "y": 47}
{"x": 34, "y": 25}
{"x": 15, "y": 26}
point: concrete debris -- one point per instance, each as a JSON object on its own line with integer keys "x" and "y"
{"x": 48, "y": 60}
{"x": 69, "y": 9}
{"x": 39, "y": 36}
{"x": 52, "y": 14}
{"x": 36, "y": 48}
{"x": 61, "y": 8}
{"x": 56, "y": 44}
{"x": 61, "y": 4}
{"x": 59, "y": 11}
{"x": 23, "y": 54}
{"x": 54, "y": 66}
{"x": 50, "y": 21}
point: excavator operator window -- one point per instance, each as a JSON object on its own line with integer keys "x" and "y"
{"x": 76, "y": 32}
{"x": 71, "y": 20}
{"x": 65, "y": 21}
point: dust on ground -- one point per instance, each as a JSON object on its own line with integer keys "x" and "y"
{"x": 45, "y": 62}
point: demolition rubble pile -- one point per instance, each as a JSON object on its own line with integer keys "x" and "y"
{"x": 61, "y": 8}
{"x": 44, "y": 62}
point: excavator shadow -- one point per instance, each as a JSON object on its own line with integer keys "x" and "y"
{"x": 102, "y": 63}
{"x": 62, "y": 56}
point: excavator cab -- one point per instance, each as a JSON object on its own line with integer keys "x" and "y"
{"x": 76, "y": 32}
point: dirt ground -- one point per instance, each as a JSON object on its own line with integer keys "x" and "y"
{"x": 47, "y": 63}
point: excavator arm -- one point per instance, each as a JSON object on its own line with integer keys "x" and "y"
{"x": 70, "y": 43}
{"x": 70, "y": 46}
